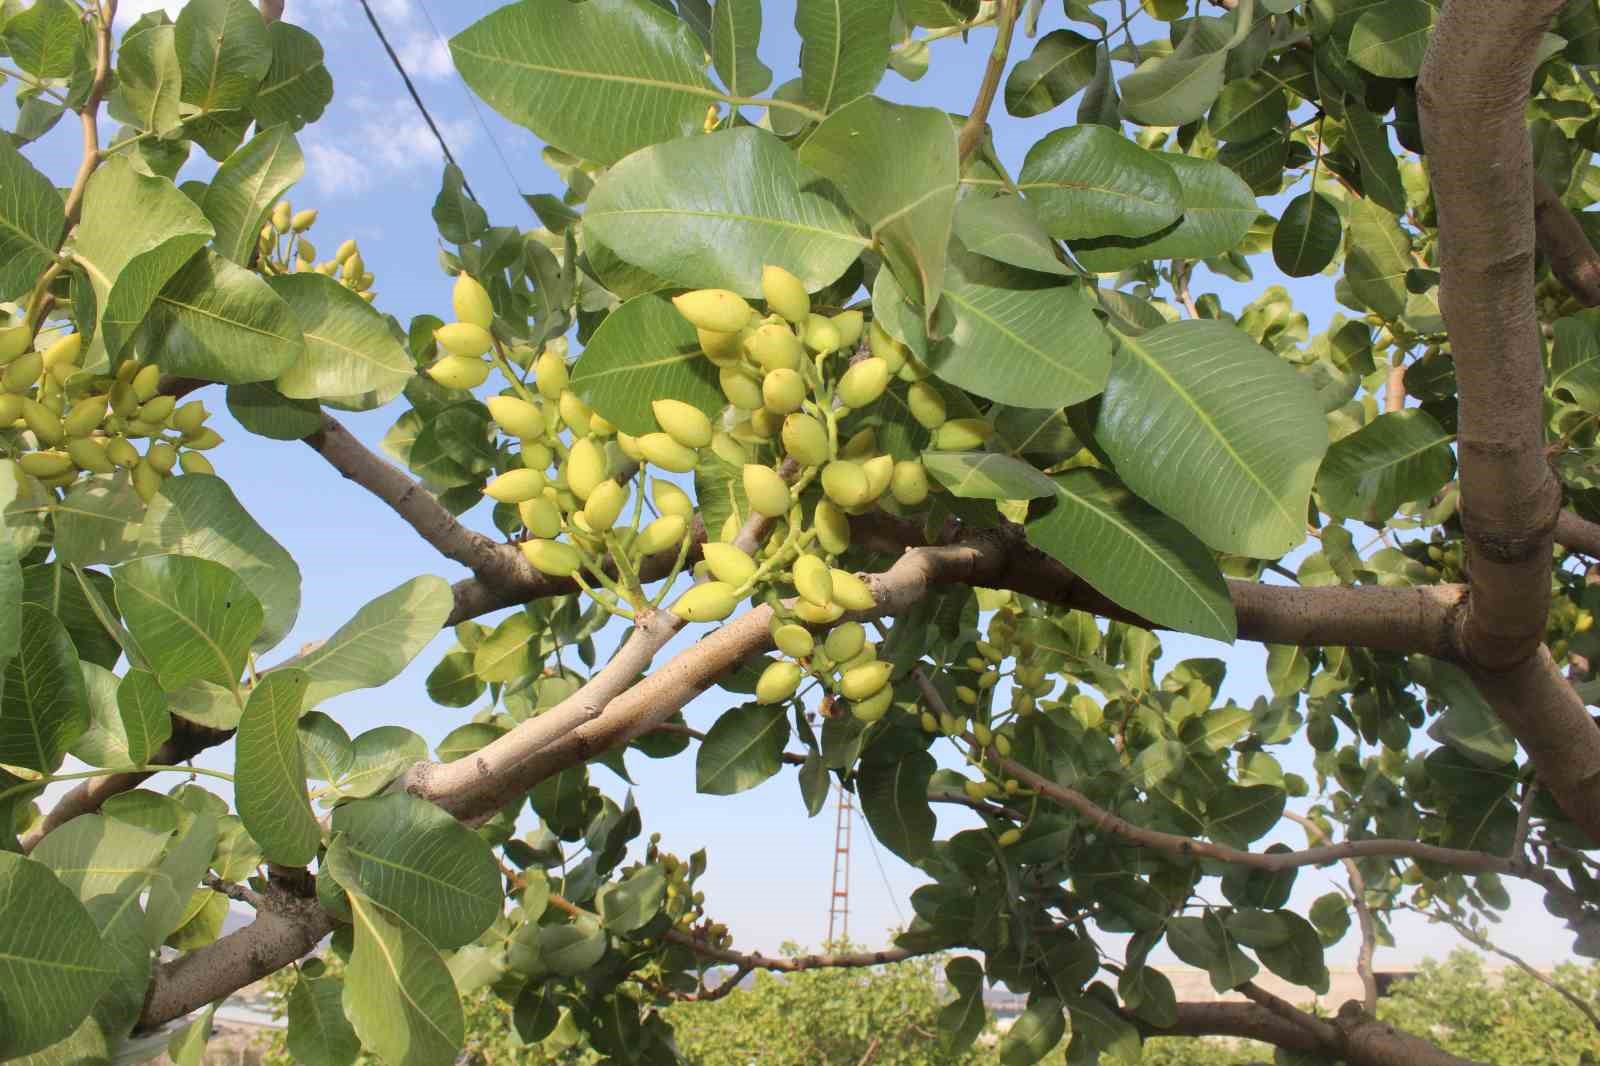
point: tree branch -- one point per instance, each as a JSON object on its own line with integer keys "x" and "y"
{"x": 1358, "y": 899}
{"x": 1578, "y": 534}
{"x": 978, "y": 119}
{"x": 1565, "y": 245}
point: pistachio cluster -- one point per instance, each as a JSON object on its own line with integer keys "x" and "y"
{"x": 283, "y": 248}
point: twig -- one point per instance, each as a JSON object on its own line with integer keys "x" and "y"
{"x": 235, "y": 891}
{"x": 1394, "y": 390}
{"x": 1322, "y": 1030}
{"x": 1519, "y": 841}
{"x": 1182, "y": 271}
{"x": 1358, "y": 899}
{"x": 978, "y": 119}
{"x": 106, "y": 13}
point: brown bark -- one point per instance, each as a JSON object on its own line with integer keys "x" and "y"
{"x": 1565, "y": 245}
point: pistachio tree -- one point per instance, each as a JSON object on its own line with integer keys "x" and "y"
{"x": 927, "y": 449}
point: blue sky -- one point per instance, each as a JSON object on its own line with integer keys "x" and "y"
{"x": 372, "y": 170}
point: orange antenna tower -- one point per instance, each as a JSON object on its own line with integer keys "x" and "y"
{"x": 839, "y": 898}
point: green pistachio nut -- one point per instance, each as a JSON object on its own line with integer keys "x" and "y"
{"x": 670, "y": 499}
{"x": 515, "y": 486}
{"x": 926, "y": 404}
{"x": 145, "y": 382}
{"x": 818, "y": 616}
{"x": 729, "y": 563}
{"x": 783, "y": 391}
{"x": 195, "y": 463}
{"x": 794, "y": 641}
{"x": 766, "y": 490}
{"x": 552, "y": 557}
{"x": 45, "y": 464}
{"x": 844, "y": 642}
{"x": 962, "y": 434}
{"x": 517, "y": 417}
{"x": 821, "y": 335}
{"x": 774, "y": 347}
{"x": 742, "y": 390}
{"x": 88, "y": 454}
{"x": 191, "y": 417}
{"x": 683, "y": 422}
{"x": 664, "y": 534}
{"x": 885, "y": 347}
{"x": 909, "y": 485}
{"x": 845, "y": 483}
{"x": 813, "y": 580}
{"x": 874, "y": 706}
{"x": 586, "y": 467}
{"x": 540, "y": 517}
{"x": 714, "y": 309}
{"x": 721, "y": 348}
{"x": 866, "y": 680}
{"x": 778, "y": 681}
{"x": 850, "y": 592}
{"x": 879, "y": 471}
{"x": 44, "y": 423}
{"x": 24, "y": 371}
{"x": 605, "y": 505}
{"x": 464, "y": 338}
{"x": 459, "y": 372}
{"x": 805, "y": 439}
{"x": 864, "y": 382}
{"x": 121, "y": 452}
{"x": 471, "y": 302}
{"x": 661, "y": 450}
{"x": 785, "y": 293}
{"x": 550, "y": 373}
{"x": 832, "y": 527}
{"x": 709, "y": 602}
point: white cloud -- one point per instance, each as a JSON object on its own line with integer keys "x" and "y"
{"x": 384, "y": 143}
{"x": 128, "y": 10}
{"x": 425, "y": 56}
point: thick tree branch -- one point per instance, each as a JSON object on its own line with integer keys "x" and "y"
{"x": 978, "y": 120}
{"x": 1578, "y": 534}
{"x": 1565, "y": 245}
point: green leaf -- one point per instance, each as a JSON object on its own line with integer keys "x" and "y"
{"x": 263, "y": 410}
{"x": 1240, "y": 815}
{"x": 1380, "y": 174}
{"x": 57, "y": 589}
{"x": 1034, "y": 1033}
{"x": 143, "y": 708}
{"x": 377, "y": 757}
{"x": 1575, "y": 358}
{"x": 1298, "y": 957}
{"x": 1090, "y": 181}
{"x": 1205, "y": 943}
{"x": 1469, "y": 725}
{"x": 11, "y": 599}
{"x": 509, "y": 653}
{"x": 398, "y": 993}
{"x": 193, "y": 619}
{"x": 987, "y": 476}
{"x": 844, "y": 48}
{"x": 1307, "y": 236}
{"x": 1217, "y": 432}
{"x": 103, "y": 743}
{"x": 198, "y": 515}
{"x": 1019, "y": 337}
{"x": 270, "y": 773}
{"x": 224, "y": 52}
{"x": 1062, "y": 63}
{"x": 1249, "y": 108}
{"x": 411, "y": 857}
{"x": 1156, "y": 763}
{"x": 220, "y": 322}
{"x": 735, "y": 33}
{"x": 1005, "y": 228}
{"x": 896, "y": 167}
{"x": 379, "y": 641}
{"x": 642, "y": 351}
{"x": 128, "y": 256}
{"x": 1397, "y": 457}
{"x": 565, "y": 71}
{"x": 46, "y": 39}
{"x": 297, "y": 85}
{"x": 44, "y": 708}
{"x": 98, "y": 521}
{"x": 325, "y": 746}
{"x": 1377, "y": 256}
{"x": 247, "y": 184}
{"x": 894, "y": 798}
{"x": 31, "y": 222}
{"x": 962, "y": 1019}
{"x": 1391, "y": 38}
{"x": 743, "y": 749}
{"x": 1098, "y": 1027}
{"x": 459, "y": 217}
{"x": 1218, "y": 211}
{"x": 633, "y": 902}
{"x": 319, "y": 1034}
{"x": 710, "y": 211}
{"x": 48, "y": 983}
{"x": 1133, "y": 554}
{"x": 350, "y": 357}
{"x": 571, "y": 949}
{"x": 1173, "y": 90}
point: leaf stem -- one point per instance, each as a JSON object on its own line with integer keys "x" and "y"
{"x": 147, "y": 768}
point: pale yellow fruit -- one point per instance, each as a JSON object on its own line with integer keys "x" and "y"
{"x": 146, "y": 481}
{"x": 345, "y": 251}
{"x": 874, "y": 706}
{"x": 805, "y": 439}
{"x": 517, "y": 417}
{"x": 729, "y": 564}
{"x": 767, "y": 492}
{"x": 575, "y": 413}
{"x": 783, "y": 391}
{"x": 586, "y": 467}
{"x": 552, "y": 557}
{"x": 145, "y": 382}
{"x": 13, "y": 342}
{"x": 778, "y": 681}
{"x": 1009, "y": 837}
{"x": 926, "y": 405}
{"x": 861, "y": 445}
{"x": 630, "y": 446}
{"x": 849, "y": 324}
{"x": 864, "y": 382}
{"x": 66, "y": 350}
{"x": 550, "y": 372}
{"x": 764, "y": 424}
{"x": 24, "y": 371}
{"x": 794, "y": 641}
{"x": 879, "y": 471}
{"x": 714, "y": 309}
{"x": 845, "y": 483}
{"x": 195, "y": 463}
{"x": 190, "y": 417}
{"x": 885, "y": 347}
{"x": 720, "y": 348}
{"x": 661, "y": 535}
{"x": 45, "y": 423}
{"x": 818, "y": 616}
{"x": 303, "y": 220}
{"x": 821, "y": 335}
{"x": 671, "y": 500}
{"x": 604, "y": 505}
{"x": 10, "y": 409}
{"x": 850, "y": 592}
{"x": 204, "y": 440}
{"x": 162, "y": 456}
{"x": 775, "y": 347}
{"x": 88, "y": 455}
{"x": 45, "y": 464}
{"x": 515, "y": 486}
{"x": 832, "y": 527}
{"x": 158, "y": 410}
{"x": 730, "y": 529}
{"x": 540, "y": 517}
{"x": 85, "y": 416}
{"x": 962, "y": 434}
{"x": 785, "y": 293}
{"x": 813, "y": 580}
{"x": 459, "y": 372}
{"x": 710, "y": 602}
{"x": 464, "y": 338}
{"x": 743, "y": 391}
{"x": 471, "y": 302}
{"x": 600, "y": 427}
{"x": 844, "y": 642}
{"x": 866, "y": 680}
{"x": 282, "y": 216}
{"x": 119, "y": 451}
{"x": 668, "y": 454}
{"x": 909, "y": 485}
{"x": 683, "y": 422}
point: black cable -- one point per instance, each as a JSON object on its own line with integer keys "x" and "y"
{"x": 415, "y": 98}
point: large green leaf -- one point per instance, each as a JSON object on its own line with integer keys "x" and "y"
{"x": 247, "y": 184}
{"x": 1575, "y": 358}
{"x": 1090, "y": 181}
{"x": 1133, "y": 554}
{"x": 297, "y": 85}
{"x": 217, "y": 321}
{"x": 1099, "y": 1030}
{"x": 1307, "y": 236}
{"x": 963, "y": 1018}
{"x": 1377, "y": 257}
{"x": 1397, "y": 457}
{"x": 987, "y": 476}
{"x": 398, "y": 993}
{"x": 894, "y": 798}
{"x": 1006, "y": 228}
{"x": 11, "y": 598}
{"x": 897, "y": 168}
{"x": 735, "y": 33}
{"x": 43, "y": 705}
{"x": 192, "y": 618}
{"x": 1218, "y": 210}
{"x": 223, "y": 52}
{"x": 644, "y": 350}
{"x": 1390, "y": 39}
{"x": 105, "y": 742}
{"x": 1242, "y": 814}
{"x": 379, "y": 641}
{"x": 566, "y": 71}
{"x": 1368, "y": 138}
{"x": 319, "y": 1034}
{"x": 1217, "y": 432}
{"x": 377, "y": 757}
{"x": 412, "y": 858}
{"x": 46, "y": 39}
{"x": 1205, "y": 943}
{"x": 1063, "y": 62}
{"x": 143, "y": 709}
{"x": 1020, "y": 337}
{"x": 31, "y": 222}
{"x": 1469, "y": 725}
{"x": 58, "y": 590}
{"x": 1249, "y": 108}
{"x": 98, "y": 521}
{"x": 844, "y": 48}
{"x": 633, "y": 902}
{"x": 52, "y": 966}
{"x": 198, "y": 515}
{"x": 1173, "y": 90}
{"x": 1034, "y": 1033}
{"x": 711, "y": 210}
{"x": 270, "y": 773}
{"x": 743, "y": 749}
{"x": 128, "y": 256}
{"x": 350, "y": 358}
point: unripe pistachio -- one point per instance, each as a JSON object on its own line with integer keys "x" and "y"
{"x": 862, "y": 444}
{"x": 885, "y": 347}
{"x": 774, "y": 347}
{"x": 13, "y": 342}
{"x": 783, "y": 391}
{"x": 929, "y": 723}
{"x": 1009, "y": 837}
{"x": 540, "y": 517}
{"x": 684, "y": 423}
{"x": 552, "y": 557}
{"x": 661, "y": 535}
{"x": 821, "y": 335}
{"x": 794, "y": 641}
{"x": 879, "y": 471}
{"x": 778, "y": 681}
{"x": 845, "y": 483}
{"x": 914, "y": 370}
{"x": 10, "y": 409}
{"x": 926, "y": 405}
{"x": 714, "y": 309}
{"x": 864, "y": 382}
{"x": 988, "y": 680}
{"x": 464, "y": 338}
{"x": 818, "y": 616}
{"x": 710, "y": 602}
{"x": 282, "y": 215}
{"x": 668, "y": 454}
{"x": 743, "y": 391}
{"x": 353, "y": 267}
{"x": 146, "y": 481}
{"x": 575, "y": 413}
{"x": 983, "y": 734}
{"x": 874, "y": 706}
{"x": 471, "y": 302}
{"x": 515, "y": 486}
{"x": 45, "y": 464}
{"x": 23, "y": 372}
{"x": 764, "y": 424}
{"x": 119, "y": 451}
{"x": 190, "y": 417}
{"x": 832, "y": 527}
{"x": 89, "y": 455}
{"x": 123, "y": 402}
{"x": 962, "y": 434}
{"x": 670, "y": 499}
{"x": 517, "y": 417}
{"x": 145, "y": 382}
{"x": 303, "y": 220}
{"x": 630, "y": 446}
{"x": 966, "y": 694}
{"x": 1002, "y": 744}
{"x": 66, "y": 350}
{"x": 813, "y": 580}
{"x": 866, "y": 680}
{"x": 849, "y": 324}
{"x": 550, "y": 371}
{"x": 205, "y": 440}
{"x": 162, "y": 456}
{"x": 909, "y": 485}
{"x": 195, "y": 463}
{"x": 730, "y": 529}
{"x": 601, "y": 427}
{"x": 604, "y": 505}
{"x": 157, "y": 410}
{"x": 720, "y": 348}
{"x": 805, "y": 439}
{"x": 850, "y": 592}
{"x": 44, "y": 423}
{"x": 586, "y": 467}
{"x": 459, "y": 372}
{"x": 729, "y": 564}
{"x": 767, "y": 492}
{"x": 785, "y": 293}
{"x": 727, "y": 448}
{"x": 345, "y": 251}
{"x": 845, "y": 642}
